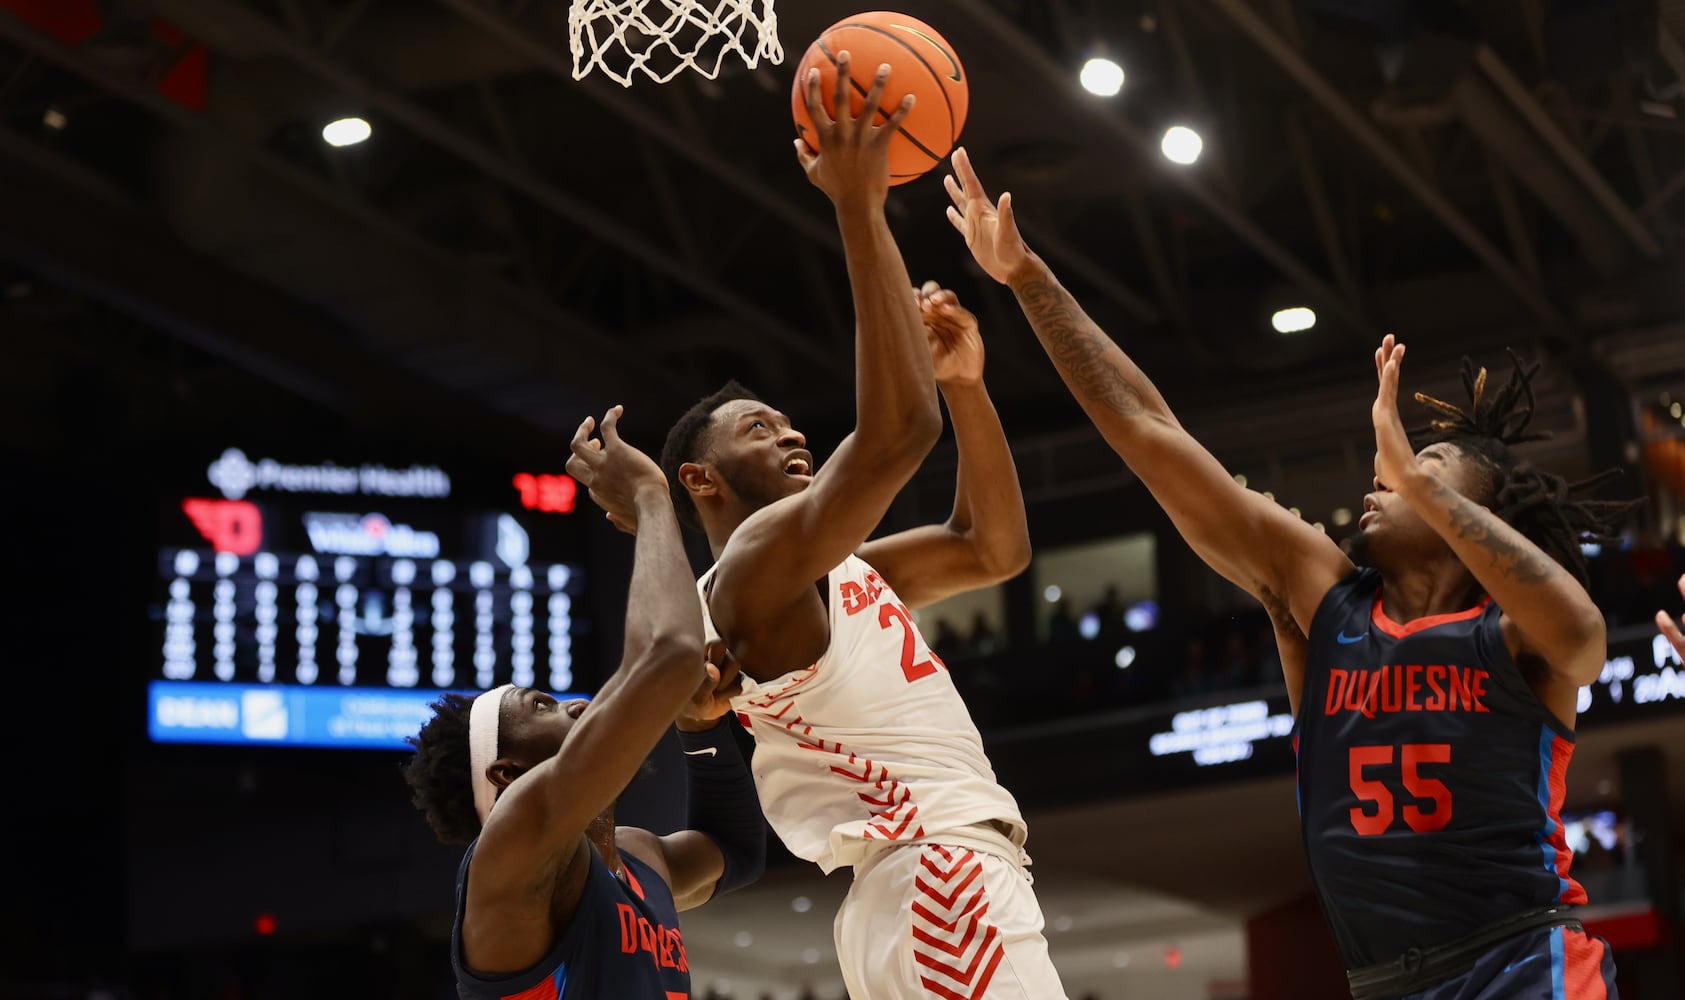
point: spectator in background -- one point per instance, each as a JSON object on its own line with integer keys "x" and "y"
{"x": 1110, "y": 612}
{"x": 1195, "y": 678}
{"x": 1234, "y": 665}
{"x": 984, "y": 640}
{"x": 1061, "y": 627}
{"x": 948, "y": 642}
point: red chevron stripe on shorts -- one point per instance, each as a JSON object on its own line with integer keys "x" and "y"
{"x": 953, "y": 938}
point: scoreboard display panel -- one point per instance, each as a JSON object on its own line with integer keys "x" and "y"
{"x": 316, "y": 602}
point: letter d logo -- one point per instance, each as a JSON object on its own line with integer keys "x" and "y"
{"x": 229, "y": 525}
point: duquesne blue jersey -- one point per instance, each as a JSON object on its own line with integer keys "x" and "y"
{"x": 1430, "y": 777}
{"x": 623, "y": 942}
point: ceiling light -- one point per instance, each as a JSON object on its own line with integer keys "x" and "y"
{"x": 743, "y": 939}
{"x": 1676, "y": 410}
{"x": 801, "y": 904}
{"x": 810, "y": 956}
{"x": 55, "y": 119}
{"x": 1341, "y": 516}
{"x": 1052, "y": 593}
{"x": 1240, "y": 479}
{"x": 1181, "y": 144}
{"x": 1101, "y": 77}
{"x": 346, "y": 132}
{"x": 1123, "y": 659}
{"x": 1295, "y": 320}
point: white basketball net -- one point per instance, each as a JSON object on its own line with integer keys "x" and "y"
{"x": 663, "y": 38}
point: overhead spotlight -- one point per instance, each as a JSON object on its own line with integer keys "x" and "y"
{"x": 1181, "y": 144}
{"x": 54, "y": 119}
{"x": 346, "y": 132}
{"x": 1052, "y": 593}
{"x": 1124, "y": 657}
{"x": 1341, "y": 516}
{"x": 1298, "y": 319}
{"x": 1676, "y": 410}
{"x": 1240, "y": 479}
{"x": 1101, "y": 77}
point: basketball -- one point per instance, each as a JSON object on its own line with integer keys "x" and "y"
{"x": 922, "y": 63}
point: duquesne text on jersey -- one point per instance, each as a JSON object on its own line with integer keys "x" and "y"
{"x": 666, "y": 947}
{"x": 1413, "y": 687}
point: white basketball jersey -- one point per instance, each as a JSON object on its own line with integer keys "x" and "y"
{"x": 872, "y": 744}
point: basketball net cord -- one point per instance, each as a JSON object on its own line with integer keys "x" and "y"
{"x": 663, "y": 38}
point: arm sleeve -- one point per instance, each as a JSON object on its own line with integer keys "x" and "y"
{"x": 723, "y": 805}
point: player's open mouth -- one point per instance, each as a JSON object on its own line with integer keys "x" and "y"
{"x": 799, "y": 465}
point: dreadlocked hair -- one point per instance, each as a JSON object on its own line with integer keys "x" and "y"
{"x": 1543, "y": 507}
{"x": 438, "y": 774}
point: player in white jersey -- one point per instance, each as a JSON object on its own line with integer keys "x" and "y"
{"x": 865, "y": 754}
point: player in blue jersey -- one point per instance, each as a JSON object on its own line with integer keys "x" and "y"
{"x": 554, "y": 902}
{"x": 1434, "y": 688}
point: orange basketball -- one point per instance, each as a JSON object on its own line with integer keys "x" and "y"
{"x": 922, "y": 63}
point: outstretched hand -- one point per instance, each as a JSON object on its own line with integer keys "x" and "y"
{"x": 956, "y": 346}
{"x": 1672, "y": 629}
{"x": 853, "y": 157}
{"x": 1395, "y": 461}
{"x": 990, "y": 230}
{"x": 614, "y": 472}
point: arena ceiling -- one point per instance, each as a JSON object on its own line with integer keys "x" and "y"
{"x": 514, "y": 248}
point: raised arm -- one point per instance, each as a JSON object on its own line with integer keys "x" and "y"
{"x": 1270, "y": 553}
{"x": 777, "y": 554}
{"x": 1544, "y": 604}
{"x": 535, "y": 832}
{"x": 986, "y": 539}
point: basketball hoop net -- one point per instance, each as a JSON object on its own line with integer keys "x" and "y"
{"x": 662, "y": 38}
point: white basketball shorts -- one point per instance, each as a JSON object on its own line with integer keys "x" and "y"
{"x": 936, "y": 922}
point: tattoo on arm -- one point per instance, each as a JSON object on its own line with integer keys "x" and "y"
{"x": 1516, "y": 562}
{"x": 1078, "y": 348}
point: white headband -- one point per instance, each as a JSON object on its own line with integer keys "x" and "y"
{"x": 483, "y": 718}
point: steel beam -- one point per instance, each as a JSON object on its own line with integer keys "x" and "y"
{"x": 659, "y": 128}
{"x": 1300, "y": 70}
{"x": 1063, "y": 81}
{"x": 425, "y": 125}
{"x": 1565, "y": 150}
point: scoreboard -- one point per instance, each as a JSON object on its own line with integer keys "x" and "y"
{"x": 324, "y": 603}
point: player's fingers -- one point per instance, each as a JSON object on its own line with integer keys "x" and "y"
{"x": 958, "y": 221}
{"x": 839, "y": 93}
{"x": 1671, "y": 631}
{"x": 583, "y": 434}
{"x": 968, "y": 174}
{"x": 816, "y": 101}
{"x": 1008, "y": 221}
{"x": 931, "y": 289}
{"x": 955, "y": 193}
{"x": 611, "y": 424}
{"x": 805, "y": 155}
{"x": 888, "y": 127}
